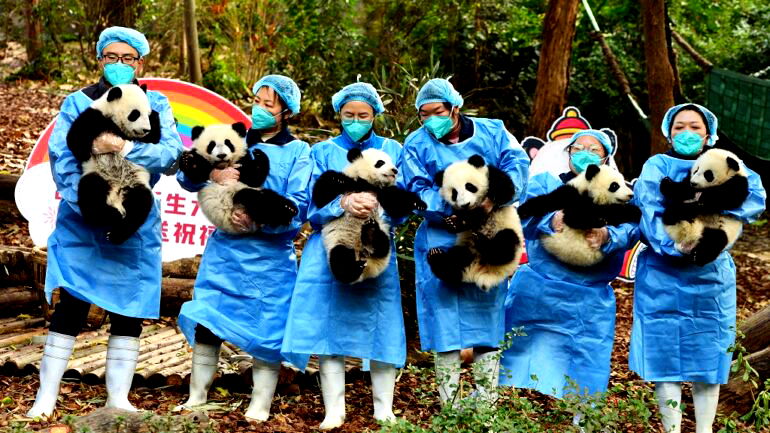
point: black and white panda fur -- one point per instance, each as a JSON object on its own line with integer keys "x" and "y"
{"x": 693, "y": 218}
{"x": 489, "y": 245}
{"x": 359, "y": 248}
{"x": 113, "y": 192}
{"x": 221, "y": 146}
{"x": 595, "y": 198}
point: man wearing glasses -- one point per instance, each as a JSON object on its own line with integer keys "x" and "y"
{"x": 124, "y": 279}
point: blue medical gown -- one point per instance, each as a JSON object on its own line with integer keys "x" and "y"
{"x": 456, "y": 317}
{"x": 245, "y": 282}
{"x": 124, "y": 278}
{"x": 684, "y": 315}
{"x": 567, "y": 312}
{"x": 326, "y": 317}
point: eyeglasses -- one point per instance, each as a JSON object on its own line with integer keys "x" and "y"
{"x": 593, "y": 148}
{"x": 126, "y": 59}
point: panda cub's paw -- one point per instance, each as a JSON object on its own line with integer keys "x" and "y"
{"x": 194, "y": 166}
{"x": 454, "y": 224}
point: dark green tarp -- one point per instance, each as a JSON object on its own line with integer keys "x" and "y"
{"x": 742, "y": 104}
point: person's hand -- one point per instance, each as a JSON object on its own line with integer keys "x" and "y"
{"x": 225, "y": 176}
{"x": 597, "y": 237}
{"x": 359, "y": 204}
{"x": 557, "y": 222}
{"x": 487, "y": 205}
{"x": 242, "y": 221}
{"x": 107, "y": 143}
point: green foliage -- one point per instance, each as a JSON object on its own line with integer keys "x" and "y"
{"x": 221, "y": 79}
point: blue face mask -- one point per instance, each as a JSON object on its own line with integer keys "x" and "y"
{"x": 118, "y": 73}
{"x": 687, "y": 143}
{"x": 261, "y": 118}
{"x": 356, "y": 129}
{"x": 582, "y": 159}
{"x": 439, "y": 126}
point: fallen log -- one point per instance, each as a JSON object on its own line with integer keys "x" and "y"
{"x": 17, "y": 296}
{"x": 757, "y": 331}
{"x": 182, "y": 268}
{"x": 738, "y": 395}
{"x": 108, "y": 420}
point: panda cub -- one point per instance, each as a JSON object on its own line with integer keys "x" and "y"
{"x": 693, "y": 218}
{"x": 359, "y": 248}
{"x": 597, "y": 197}
{"x": 113, "y": 192}
{"x": 221, "y": 146}
{"x": 489, "y": 245}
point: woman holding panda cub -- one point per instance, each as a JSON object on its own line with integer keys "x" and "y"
{"x": 245, "y": 281}
{"x": 333, "y": 319}
{"x": 454, "y": 317}
{"x": 684, "y": 313}
{"x": 567, "y": 311}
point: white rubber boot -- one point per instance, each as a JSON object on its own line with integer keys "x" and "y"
{"x": 383, "y": 384}
{"x": 122, "y": 353}
{"x": 56, "y": 354}
{"x": 705, "y": 398}
{"x": 332, "y": 371}
{"x": 486, "y": 369}
{"x": 670, "y": 417}
{"x": 265, "y": 375}
{"x": 204, "y": 368}
{"x": 447, "y": 375}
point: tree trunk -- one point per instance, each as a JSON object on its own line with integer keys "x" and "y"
{"x": 34, "y": 29}
{"x": 553, "y": 67}
{"x": 660, "y": 75}
{"x": 193, "y": 49}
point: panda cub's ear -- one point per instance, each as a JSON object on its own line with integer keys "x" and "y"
{"x": 476, "y": 161}
{"x": 732, "y": 164}
{"x": 196, "y": 132}
{"x": 591, "y": 171}
{"x": 354, "y": 154}
{"x": 240, "y": 128}
{"x": 114, "y": 93}
{"x": 439, "y": 178}
{"x": 143, "y": 87}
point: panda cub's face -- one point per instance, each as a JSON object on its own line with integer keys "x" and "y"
{"x": 464, "y": 184}
{"x": 222, "y": 145}
{"x": 714, "y": 167}
{"x": 128, "y": 107}
{"x": 373, "y": 166}
{"x": 604, "y": 184}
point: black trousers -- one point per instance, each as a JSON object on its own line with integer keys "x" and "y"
{"x": 204, "y": 336}
{"x": 71, "y": 314}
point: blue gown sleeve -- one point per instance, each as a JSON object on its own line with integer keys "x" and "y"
{"x": 621, "y": 238}
{"x": 297, "y": 191}
{"x": 754, "y": 204}
{"x": 419, "y": 181}
{"x": 320, "y": 216}
{"x": 65, "y": 168}
{"x": 157, "y": 158}
{"x": 648, "y": 198}
{"x": 540, "y": 184}
{"x": 514, "y": 161}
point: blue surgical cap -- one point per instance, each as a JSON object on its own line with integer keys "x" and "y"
{"x": 285, "y": 87}
{"x": 122, "y": 34}
{"x": 603, "y": 138}
{"x": 438, "y": 90}
{"x": 711, "y": 121}
{"x": 363, "y": 92}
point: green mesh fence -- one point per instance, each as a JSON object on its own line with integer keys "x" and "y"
{"x": 742, "y": 104}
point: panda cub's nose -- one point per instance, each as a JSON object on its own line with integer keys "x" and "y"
{"x": 395, "y": 171}
{"x": 221, "y": 155}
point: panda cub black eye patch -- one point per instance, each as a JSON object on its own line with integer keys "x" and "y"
{"x": 614, "y": 186}
{"x": 133, "y": 115}
{"x": 212, "y": 145}
{"x": 229, "y": 144}
{"x": 709, "y": 175}
{"x": 454, "y": 194}
{"x": 471, "y": 187}
{"x": 379, "y": 164}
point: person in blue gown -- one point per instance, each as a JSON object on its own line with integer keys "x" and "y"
{"x": 123, "y": 279}
{"x": 684, "y": 315}
{"x": 567, "y": 312}
{"x": 333, "y": 319}
{"x": 245, "y": 281}
{"x": 453, "y": 318}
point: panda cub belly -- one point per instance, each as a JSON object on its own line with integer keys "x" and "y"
{"x": 346, "y": 231}
{"x": 487, "y": 276}
{"x": 216, "y": 203}
{"x": 119, "y": 173}
{"x": 570, "y": 246}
